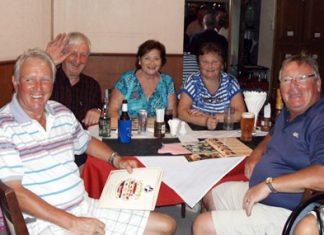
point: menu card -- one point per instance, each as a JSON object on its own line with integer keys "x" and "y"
{"x": 216, "y": 148}
{"x": 138, "y": 190}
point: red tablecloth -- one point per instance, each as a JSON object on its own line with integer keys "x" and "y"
{"x": 95, "y": 174}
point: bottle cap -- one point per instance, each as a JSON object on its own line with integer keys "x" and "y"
{"x": 159, "y": 115}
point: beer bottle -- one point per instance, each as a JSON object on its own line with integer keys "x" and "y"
{"x": 104, "y": 120}
{"x": 279, "y": 103}
{"x": 124, "y": 125}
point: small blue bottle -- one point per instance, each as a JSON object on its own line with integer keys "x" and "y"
{"x": 124, "y": 125}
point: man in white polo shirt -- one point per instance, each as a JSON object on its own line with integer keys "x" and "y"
{"x": 38, "y": 140}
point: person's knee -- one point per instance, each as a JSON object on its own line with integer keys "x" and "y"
{"x": 203, "y": 224}
{"x": 160, "y": 224}
{"x": 208, "y": 201}
{"x": 198, "y": 225}
{"x": 307, "y": 226}
{"x": 168, "y": 224}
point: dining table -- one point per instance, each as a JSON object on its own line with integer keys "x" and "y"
{"x": 96, "y": 172}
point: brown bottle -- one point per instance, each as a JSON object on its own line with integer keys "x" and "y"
{"x": 279, "y": 103}
{"x": 159, "y": 124}
{"x": 124, "y": 114}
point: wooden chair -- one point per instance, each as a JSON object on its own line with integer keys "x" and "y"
{"x": 11, "y": 212}
{"x": 309, "y": 198}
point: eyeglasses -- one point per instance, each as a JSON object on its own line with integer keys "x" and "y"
{"x": 300, "y": 79}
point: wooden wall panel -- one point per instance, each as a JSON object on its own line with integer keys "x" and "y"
{"x": 105, "y": 68}
{"x": 6, "y": 88}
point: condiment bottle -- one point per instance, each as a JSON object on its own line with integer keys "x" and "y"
{"x": 159, "y": 124}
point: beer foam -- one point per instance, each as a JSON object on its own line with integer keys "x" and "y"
{"x": 247, "y": 115}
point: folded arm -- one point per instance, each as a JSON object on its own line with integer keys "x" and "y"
{"x": 186, "y": 113}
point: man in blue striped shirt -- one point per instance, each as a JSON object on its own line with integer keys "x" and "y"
{"x": 38, "y": 140}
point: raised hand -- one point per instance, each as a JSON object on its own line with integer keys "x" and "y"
{"x": 57, "y": 48}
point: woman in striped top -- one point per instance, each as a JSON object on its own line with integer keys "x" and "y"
{"x": 207, "y": 93}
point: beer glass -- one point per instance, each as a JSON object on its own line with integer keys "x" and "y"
{"x": 247, "y": 125}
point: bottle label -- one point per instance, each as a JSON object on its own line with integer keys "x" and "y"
{"x": 104, "y": 127}
{"x": 163, "y": 129}
{"x": 159, "y": 129}
{"x": 124, "y": 131}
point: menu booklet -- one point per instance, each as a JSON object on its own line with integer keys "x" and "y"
{"x": 216, "y": 148}
{"x": 138, "y": 190}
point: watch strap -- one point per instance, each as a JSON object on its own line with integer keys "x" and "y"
{"x": 269, "y": 184}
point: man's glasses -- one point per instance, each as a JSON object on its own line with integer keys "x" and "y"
{"x": 300, "y": 79}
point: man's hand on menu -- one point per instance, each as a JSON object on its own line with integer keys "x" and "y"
{"x": 125, "y": 164}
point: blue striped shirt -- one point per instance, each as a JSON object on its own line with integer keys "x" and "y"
{"x": 190, "y": 65}
{"x": 207, "y": 102}
{"x": 43, "y": 159}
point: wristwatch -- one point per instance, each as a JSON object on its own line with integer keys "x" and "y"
{"x": 268, "y": 182}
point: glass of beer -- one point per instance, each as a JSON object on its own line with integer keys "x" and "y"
{"x": 247, "y": 125}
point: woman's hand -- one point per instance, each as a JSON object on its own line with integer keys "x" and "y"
{"x": 211, "y": 122}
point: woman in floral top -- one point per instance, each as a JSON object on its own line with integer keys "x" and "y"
{"x": 145, "y": 87}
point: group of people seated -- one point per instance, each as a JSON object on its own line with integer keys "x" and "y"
{"x": 203, "y": 97}
{"x": 42, "y": 132}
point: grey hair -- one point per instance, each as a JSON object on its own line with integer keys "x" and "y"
{"x": 77, "y": 38}
{"x": 33, "y": 53}
{"x": 301, "y": 59}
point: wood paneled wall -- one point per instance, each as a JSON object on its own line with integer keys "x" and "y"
{"x": 6, "y": 88}
{"x": 105, "y": 68}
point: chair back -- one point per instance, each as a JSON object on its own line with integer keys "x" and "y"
{"x": 11, "y": 212}
{"x": 317, "y": 197}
